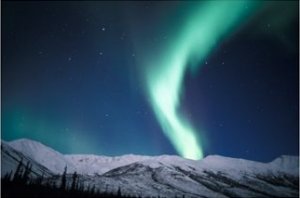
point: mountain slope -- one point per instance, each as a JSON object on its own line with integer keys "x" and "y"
{"x": 10, "y": 159}
{"x": 46, "y": 156}
{"x": 156, "y": 178}
{"x": 168, "y": 176}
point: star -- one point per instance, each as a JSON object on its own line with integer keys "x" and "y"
{"x": 90, "y": 66}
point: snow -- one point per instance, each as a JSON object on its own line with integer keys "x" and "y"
{"x": 93, "y": 164}
{"x": 165, "y": 175}
{"x": 46, "y": 156}
{"x": 10, "y": 159}
{"x": 289, "y": 164}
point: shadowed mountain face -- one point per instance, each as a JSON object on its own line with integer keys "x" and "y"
{"x": 165, "y": 176}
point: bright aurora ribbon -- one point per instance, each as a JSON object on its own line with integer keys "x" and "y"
{"x": 209, "y": 22}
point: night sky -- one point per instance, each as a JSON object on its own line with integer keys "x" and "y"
{"x": 152, "y": 78}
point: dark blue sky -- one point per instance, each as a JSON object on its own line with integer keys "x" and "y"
{"x": 71, "y": 79}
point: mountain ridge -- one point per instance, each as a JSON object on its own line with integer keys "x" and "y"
{"x": 25, "y": 146}
{"x": 169, "y": 176}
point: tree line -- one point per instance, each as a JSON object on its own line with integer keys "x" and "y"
{"x": 20, "y": 184}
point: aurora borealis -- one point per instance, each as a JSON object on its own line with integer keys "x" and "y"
{"x": 185, "y": 78}
{"x": 201, "y": 32}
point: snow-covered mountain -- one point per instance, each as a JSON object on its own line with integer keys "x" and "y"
{"x": 44, "y": 155}
{"x": 10, "y": 159}
{"x": 169, "y": 176}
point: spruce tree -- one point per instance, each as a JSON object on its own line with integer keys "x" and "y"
{"x": 74, "y": 182}
{"x": 63, "y": 179}
{"x": 119, "y": 192}
{"x": 18, "y": 173}
{"x": 25, "y": 176}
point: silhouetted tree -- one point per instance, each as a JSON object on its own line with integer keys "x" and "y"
{"x": 18, "y": 173}
{"x": 93, "y": 190}
{"x": 119, "y": 192}
{"x": 23, "y": 188}
{"x": 7, "y": 177}
{"x": 25, "y": 176}
{"x": 74, "y": 182}
{"x": 63, "y": 179}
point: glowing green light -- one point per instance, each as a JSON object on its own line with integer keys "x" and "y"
{"x": 209, "y": 22}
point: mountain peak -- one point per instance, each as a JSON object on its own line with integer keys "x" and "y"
{"x": 47, "y": 156}
{"x": 286, "y": 163}
{"x": 165, "y": 175}
{"x": 26, "y": 142}
{"x": 91, "y": 164}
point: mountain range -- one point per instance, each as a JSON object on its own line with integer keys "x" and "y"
{"x": 164, "y": 176}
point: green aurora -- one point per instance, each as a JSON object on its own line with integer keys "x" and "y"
{"x": 207, "y": 25}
